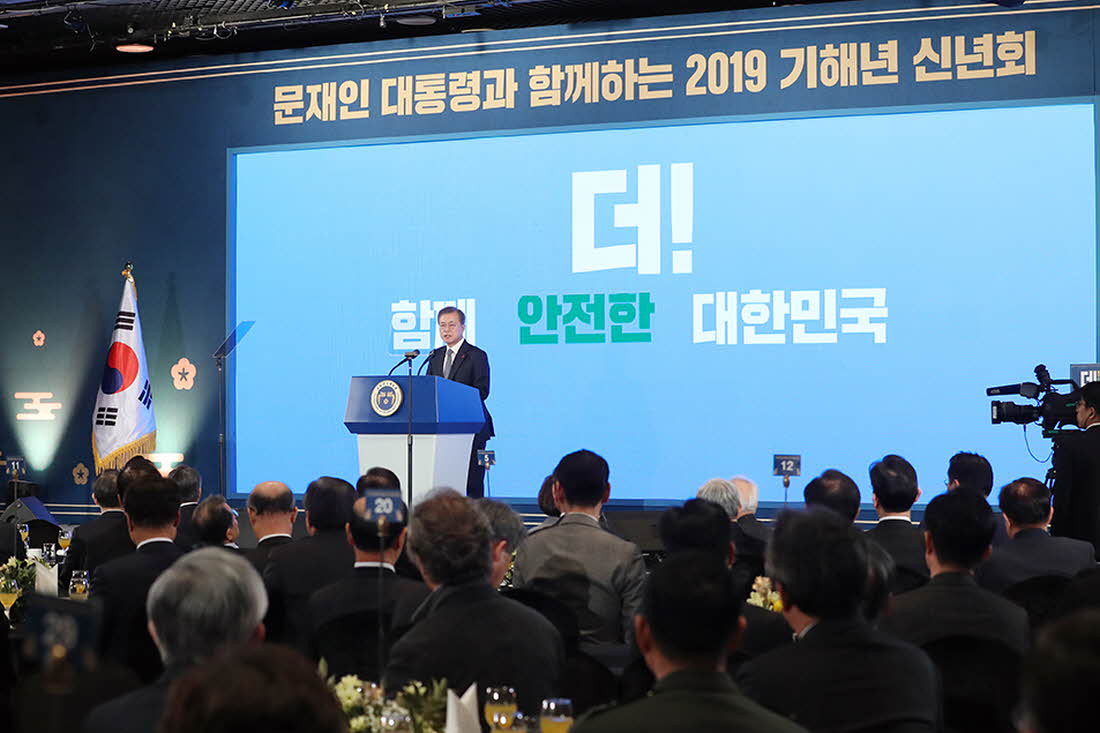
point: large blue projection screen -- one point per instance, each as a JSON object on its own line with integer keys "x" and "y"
{"x": 839, "y": 288}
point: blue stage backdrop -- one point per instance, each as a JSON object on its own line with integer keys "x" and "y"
{"x": 687, "y": 243}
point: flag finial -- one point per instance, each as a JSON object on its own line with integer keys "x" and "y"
{"x": 128, "y": 271}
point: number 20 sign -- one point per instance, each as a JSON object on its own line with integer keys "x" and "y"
{"x": 385, "y": 504}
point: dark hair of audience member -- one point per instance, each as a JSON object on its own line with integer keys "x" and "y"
{"x": 504, "y": 523}
{"x": 212, "y": 520}
{"x": 546, "y": 498}
{"x": 152, "y": 501}
{"x": 894, "y": 483}
{"x": 377, "y": 477}
{"x": 1025, "y": 501}
{"x": 834, "y": 490}
{"x": 328, "y": 502}
{"x": 1090, "y": 393}
{"x": 365, "y": 530}
{"x": 583, "y": 478}
{"x": 105, "y": 489}
{"x": 821, "y": 561}
{"x": 135, "y": 467}
{"x": 188, "y": 480}
{"x": 880, "y": 576}
{"x": 692, "y": 607}
{"x": 264, "y": 687}
{"x": 281, "y": 503}
{"x": 961, "y": 525}
{"x": 1061, "y": 677}
{"x": 698, "y": 525}
{"x": 971, "y": 471}
{"x": 450, "y": 538}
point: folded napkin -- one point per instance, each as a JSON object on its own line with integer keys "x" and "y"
{"x": 45, "y": 579}
{"x": 462, "y": 712}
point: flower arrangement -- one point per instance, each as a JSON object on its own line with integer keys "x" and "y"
{"x": 417, "y": 708}
{"x": 24, "y": 574}
{"x": 764, "y": 595}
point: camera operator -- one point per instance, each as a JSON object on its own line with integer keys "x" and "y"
{"x": 1077, "y": 473}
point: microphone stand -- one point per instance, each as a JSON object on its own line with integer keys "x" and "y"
{"x": 409, "y": 437}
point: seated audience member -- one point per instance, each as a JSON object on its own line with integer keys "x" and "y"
{"x": 546, "y": 503}
{"x": 840, "y": 674}
{"x": 690, "y": 622}
{"x": 377, "y": 477}
{"x": 205, "y": 601}
{"x": 972, "y": 472}
{"x": 271, "y": 512}
{"x": 466, "y": 632}
{"x": 189, "y": 482}
{"x": 1061, "y": 680}
{"x": 105, "y": 537}
{"x": 373, "y": 588}
{"x": 1030, "y": 551}
{"x": 506, "y": 534}
{"x": 121, "y": 585}
{"x": 297, "y": 570}
{"x": 750, "y": 535}
{"x": 958, "y": 528}
{"x": 894, "y": 490}
{"x": 577, "y": 561}
{"x": 214, "y": 524}
{"x": 135, "y": 467}
{"x": 260, "y": 688}
{"x": 835, "y": 491}
{"x": 725, "y": 494}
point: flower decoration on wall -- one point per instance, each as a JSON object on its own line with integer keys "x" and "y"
{"x": 183, "y": 374}
{"x": 80, "y": 474}
{"x": 39, "y": 338}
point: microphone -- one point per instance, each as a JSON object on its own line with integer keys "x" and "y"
{"x": 1026, "y": 389}
{"x": 412, "y": 354}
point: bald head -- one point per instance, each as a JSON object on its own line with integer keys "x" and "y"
{"x": 748, "y": 493}
{"x": 271, "y": 509}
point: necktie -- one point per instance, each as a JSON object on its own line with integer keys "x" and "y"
{"x": 447, "y": 364}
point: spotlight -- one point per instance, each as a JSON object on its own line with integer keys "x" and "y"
{"x": 133, "y": 48}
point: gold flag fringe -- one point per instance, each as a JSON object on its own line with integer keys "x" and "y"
{"x": 117, "y": 459}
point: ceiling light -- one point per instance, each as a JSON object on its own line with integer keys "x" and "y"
{"x": 133, "y": 48}
{"x": 415, "y": 20}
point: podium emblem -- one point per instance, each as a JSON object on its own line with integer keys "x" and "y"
{"x": 386, "y": 398}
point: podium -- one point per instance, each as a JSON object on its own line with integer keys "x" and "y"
{"x": 445, "y": 415}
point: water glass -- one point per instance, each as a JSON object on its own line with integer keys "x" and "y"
{"x": 557, "y": 715}
{"x": 78, "y": 585}
{"x": 500, "y": 707}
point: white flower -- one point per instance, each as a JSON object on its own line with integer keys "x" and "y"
{"x": 358, "y": 724}
{"x": 349, "y": 691}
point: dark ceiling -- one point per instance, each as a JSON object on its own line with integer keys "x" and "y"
{"x": 54, "y": 35}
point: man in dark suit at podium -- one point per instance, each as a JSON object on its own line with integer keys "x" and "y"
{"x": 462, "y": 362}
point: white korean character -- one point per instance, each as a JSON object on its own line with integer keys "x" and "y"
{"x": 288, "y": 101}
{"x": 861, "y": 317}
{"x": 756, "y": 310}
{"x": 351, "y": 92}
{"x": 806, "y": 306}
{"x": 725, "y": 318}
{"x": 406, "y": 337}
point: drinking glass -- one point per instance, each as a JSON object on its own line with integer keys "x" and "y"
{"x": 64, "y": 538}
{"x": 557, "y": 715}
{"x": 49, "y": 553}
{"x": 9, "y": 594}
{"x": 78, "y": 585}
{"x": 25, "y": 533}
{"x": 500, "y": 707}
{"x": 396, "y": 722}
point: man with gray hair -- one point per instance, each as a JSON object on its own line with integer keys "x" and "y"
{"x": 506, "y": 532}
{"x": 205, "y": 601}
{"x": 724, "y": 494}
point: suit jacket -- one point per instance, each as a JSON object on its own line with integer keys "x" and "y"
{"x": 844, "y": 675}
{"x": 122, "y": 585}
{"x": 598, "y": 575}
{"x": 135, "y": 712}
{"x": 185, "y": 533}
{"x": 469, "y": 633}
{"x": 470, "y": 367}
{"x": 688, "y": 700}
{"x": 904, "y": 542}
{"x": 294, "y": 572}
{"x": 259, "y": 554}
{"x": 750, "y": 538}
{"x": 101, "y": 540}
{"x": 1031, "y": 553}
{"x": 1077, "y": 486}
{"x": 952, "y": 604}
